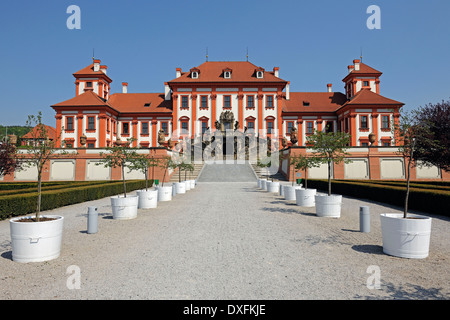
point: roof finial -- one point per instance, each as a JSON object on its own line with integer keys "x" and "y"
{"x": 247, "y": 54}
{"x": 361, "y": 54}
{"x": 206, "y": 53}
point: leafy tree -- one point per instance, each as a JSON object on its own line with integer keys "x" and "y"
{"x": 8, "y": 161}
{"x": 303, "y": 162}
{"x": 165, "y": 162}
{"x": 432, "y": 134}
{"x": 39, "y": 153}
{"x": 329, "y": 148}
{"x": 122, "y": 156}
{"x": 142, "y": 163}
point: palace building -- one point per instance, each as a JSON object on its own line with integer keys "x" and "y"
{"x": 221, "y": 95}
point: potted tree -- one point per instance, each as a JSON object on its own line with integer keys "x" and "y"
{"x": 407, "y": 235}
{"x": 289, "y": 190}
{"x": 37, "y": 238}
{"x": 263, "y": 164}
{"x": 147, "y": 198}
{"x": 165, "y": 192}
{"x": 329, "y": 148}
{"x": 190, "y": 167}
{"x": 178, "y": 163}
{"x": 305, "y": 197}
{"x": 122, "y": 156}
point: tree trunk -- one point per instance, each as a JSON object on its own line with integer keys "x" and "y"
{"x": 123, "y": 179}
{"x": 146, "y": 179}
{"x": 329, "y": 178}
{"x": 408, "y": 175}
{"x": 38, "y": 206}
{"x": 306, "y": 180}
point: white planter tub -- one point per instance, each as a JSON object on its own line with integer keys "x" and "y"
{"x": 192, "y": 183}
{"x": 36, "y": 241}
{"x": 147, "y": 199}
{"x": 165, "y": 193}
{"x": 328, "y": 206}
{"x": 180, "y": 187}
{"x": 305, "y": 197}
{"x": 289, "y": 192}
{"x": 406, "y": 238}
{"x": 187, "y": 185}
{"x": 124, "y": 208}
{"x": 273, "y": 187}
{"x": 264, "y": 184}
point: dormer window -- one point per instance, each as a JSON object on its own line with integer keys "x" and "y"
{"x": 227, "y": 73}
{"x": 306, "y": 103}
{"x": 194, "y": 75}
{"x": 259, "y": 73}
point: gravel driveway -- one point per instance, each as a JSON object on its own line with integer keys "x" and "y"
{"x": 227, "y": 240}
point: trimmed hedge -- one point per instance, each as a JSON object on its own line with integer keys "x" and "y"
{"x": 421, "y": 199}
{"x": 414, "y": 184}
{"x": 17, "y": 205}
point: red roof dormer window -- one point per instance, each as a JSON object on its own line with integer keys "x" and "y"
{"x": 195, "y": 73}
{"x": 227, "y": 73}
{"x": 259, "y": 73}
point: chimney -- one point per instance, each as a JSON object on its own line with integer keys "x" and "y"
{"x": 167, "y": 95}
{"x": 124, "y": 87}
{"x": 96, "y": 65}
{"x": 287, "y": 91}
{"x": 103, "y": 69}
{"x": 356, "y": 63}
{"x": 178, "y": 72}
{"x": 329, "y": 86}
{"x": 276, "y": 71}
{"x": 351, "y": 68}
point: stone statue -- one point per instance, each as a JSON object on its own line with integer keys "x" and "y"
{"x": 284, "y": 142}
{"x": 161, "y": 137}
{"x": 170, "y": 143}
{"x": 294, "y": 136}
{"x": 236, "y": 125}
{"x": 83, "y": 140}
{"x": 217, "y": 124}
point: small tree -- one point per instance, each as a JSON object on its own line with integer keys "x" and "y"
{"x": 329, "y": 148}
{"x": 411, "y": 134}
{"x": 264, "y": 164}
{"x": 122, "y": 156}
{"x": 432, "y": 127}
{"x": 166, "y": 163}
{"x": 8, "y": 159}
{"x": 142, "y": 163}
{"x": 39, "y": 152}
{"x": 302, "y": 162}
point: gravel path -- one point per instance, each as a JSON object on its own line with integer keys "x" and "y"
{"x": 227, "y": 240}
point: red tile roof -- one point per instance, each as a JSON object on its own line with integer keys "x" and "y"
{"x": 140, "y": 102}
{"x": 241, "y": 71}
{"x": 88, "y": 98}
{"x": 368, "y": 97}
{"x": 318, "y": 102}
{"x": 34, "y": 133}
{"x": 89, "y": 71}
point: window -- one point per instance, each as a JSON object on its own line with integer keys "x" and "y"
{"x": 309, "y": 127}
{"x": 386, "y": 144}
{"x": 251, "y": 125}
{"x": 185, "y": 102}
{"x": 269, "y": 101}
{"x": 125, "y": 128}
{"x": 269, "y": 126}
{"x": 290, "y": 125}
{"x": 165, "y": 127}
{"x": 204, "y": 102}
{"x": 329, "y": 127}
{"x": 259, "y": 74}
{"x": 91, "y": 145}
{"x": 364, "y": 124}
{"x": 365, "y": 83}
{"x": 227, "y": 102}
{"x": 144, "y": 127}
{"x": 385, "y": 122}
{"x": 88, "y": 84}
{"x": 194, "y": 74}
{"x": 227, "y": 74}
{"x": 184, "y": 127}
{"x": 204, "y": 126}
{"x": 69, "y": 124}
{"x": 91, "y": 123}
{"x": 364, "y": 144}
{"x": 250, "y": 101}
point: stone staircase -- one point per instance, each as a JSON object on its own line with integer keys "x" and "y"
{"x": 262, "y": 173}
{"x": 190, "y": 175}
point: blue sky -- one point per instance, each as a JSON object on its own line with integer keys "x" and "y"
{"x": 143, "y": 42}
